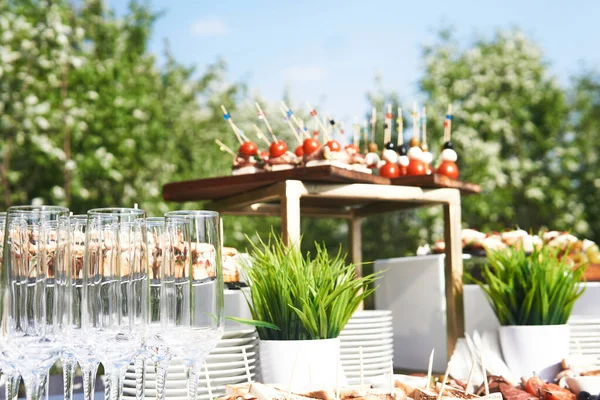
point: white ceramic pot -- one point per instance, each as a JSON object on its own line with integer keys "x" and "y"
{"x": 313, "y": 363}
{"x": 535, "y": 348}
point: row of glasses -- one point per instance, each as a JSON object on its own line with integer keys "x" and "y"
{"x": 110, "y": 286}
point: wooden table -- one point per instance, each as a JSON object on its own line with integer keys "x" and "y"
{"x": 332, "y": 193}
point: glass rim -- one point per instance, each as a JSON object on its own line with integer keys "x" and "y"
{"x": 192, "y": 213}
{"x": 37, "y": 209}
{"x": 116, "y": 211}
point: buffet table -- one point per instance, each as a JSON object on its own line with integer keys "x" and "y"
{"x": 332, "y": 192}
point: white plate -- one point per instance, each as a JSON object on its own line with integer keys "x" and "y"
{"x": 368, "y": 361}
{"x": 365, "y": 338}
{"x": 367, "y": 345}
{"x": 368, "y": 367}
{"x": 180, "y": 375}
{"x": 236, "y": 342}
{"x": 183, "y": 390}
{"x": 234, "y": 349}
{"x": 367, "y": 351}
{"x": 355, "y": 357}
{"x": 213, "y": 358}
{"x": 374, "y": 320}
{"x": 370, "y": 314}
{"x": 212, "y": 366}
{"x": 366, "y": 331}
{"x": 239, "y": 333}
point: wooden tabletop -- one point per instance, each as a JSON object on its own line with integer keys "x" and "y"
{"x": 225, "y": 186}
{"x": 436, "y": 181}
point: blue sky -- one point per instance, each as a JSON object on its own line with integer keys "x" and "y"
{"x": 328, "y": 52}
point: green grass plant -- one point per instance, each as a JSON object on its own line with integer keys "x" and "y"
{"x": 531, "y": 289}
{"x": 301, "y": 297}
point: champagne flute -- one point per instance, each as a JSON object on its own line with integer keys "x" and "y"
{"x": 11, "y": 375}
{"x": 118, "y": 289}
{"x": 79, "y": 343}
{"x": 30, "y": 320}
{"x": 192, "y": 290}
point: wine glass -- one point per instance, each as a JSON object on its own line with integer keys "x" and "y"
{"x": 77, "y": 342}
{"x": 12, "y": 377}
{"x": 192, "y": 289}
{"x": 118, "y": 288}
{"x": 30, "y": 319}
{"x": 157, "y": 350}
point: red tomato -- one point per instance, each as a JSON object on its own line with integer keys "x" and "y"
{"x": 264, "y": 155}
{"x": 248, "y": 149}
{"x": 534, "y": 385}
{"x": 416, "y": 167}
{"x": 389, "y": 170}
{"x": 353, "y": 147}
{"x": 278, "y": 148}
{"x": 299, "y": 151}
{"x": 310, "y": 146}
{"x": 403, "y": 170}
{"x": 449, "y": 169}
{"x": 334, "y": 145}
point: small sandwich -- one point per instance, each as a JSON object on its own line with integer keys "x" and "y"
{"x": 511, "y": 238}
{"x": 358, "y": 161}
{"x": 231, "y": 265}
{"x": 473, "y": 239}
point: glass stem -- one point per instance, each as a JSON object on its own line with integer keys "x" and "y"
{"x": 89, "y": 380}
{"x": 162, "y": 368}
{"x": 68, "y": 364}
{"x": 34, "y": 386}
{"x": 140, "y": 376}
{"x": 107, "y": 384}
{"x": 116, "y": 382}
{"x": 11, "y": 390}
{"x": 192, "y": 380}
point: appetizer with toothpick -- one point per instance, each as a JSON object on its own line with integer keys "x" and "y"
{"x": 279, "y": 157}
{"x": 448, "y": 165}
{"x": 247, "y": 159}
{"x": 403, "y": 159}
{"x": 416, "y": 166}
{"x": 390, "y": 168}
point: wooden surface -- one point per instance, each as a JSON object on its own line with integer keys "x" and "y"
{"x": 437, "y": 181}
{"x": 225, "y": 186}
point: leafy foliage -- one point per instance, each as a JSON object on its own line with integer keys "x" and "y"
{"x": 531, "y": 289}
{"x": 302, "y": 297}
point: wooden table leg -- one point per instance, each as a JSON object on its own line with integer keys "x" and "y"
{"x": 290, "y": 213}
{"x": 355, "y": 236}
{"x": 455, "y": 319}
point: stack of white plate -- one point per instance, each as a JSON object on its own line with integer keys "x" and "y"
{"x": 225, "y": 364}
{"x": 585, "y": 337}
{"x": 371, "y": 331}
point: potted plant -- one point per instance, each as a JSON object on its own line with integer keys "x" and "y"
{"x": 532, "y": 295}
{"x": 299, "y": 305}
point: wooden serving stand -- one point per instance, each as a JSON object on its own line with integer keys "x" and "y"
{"x": 331, "y": 192}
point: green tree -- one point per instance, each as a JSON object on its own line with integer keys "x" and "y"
{"x": 509, "y": 116}
{"x": 579, "y": 151}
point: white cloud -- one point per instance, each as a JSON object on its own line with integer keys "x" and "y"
{"x": 303, "y": 74}
{"x": 209, "y": 26}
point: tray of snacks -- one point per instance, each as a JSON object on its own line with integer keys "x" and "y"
{"x": 580, "y": 252}
{"x": 320, "y": 157}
